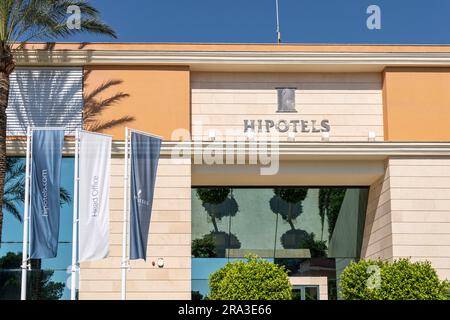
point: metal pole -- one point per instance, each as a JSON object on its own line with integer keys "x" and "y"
{"x": 76, "y": 179}
{"x": 125, "y": 220}
{"x": 25, "y": 265}
{"x": 278, "y": 23}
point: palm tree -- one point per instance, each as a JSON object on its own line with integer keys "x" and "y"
{"x": 14, "y": 191}
{"x": 22, "y": 21}
{"x": 13, "y": 196}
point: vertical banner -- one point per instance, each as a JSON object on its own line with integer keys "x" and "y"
{"x": 145, "y": 151}
{"x": 94, "y": 164}
{"x": 45, "y": 192}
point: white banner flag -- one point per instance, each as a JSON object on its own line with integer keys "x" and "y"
{"x": 94, "y": 164}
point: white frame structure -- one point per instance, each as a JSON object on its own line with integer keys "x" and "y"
{"x": 125, "y": 265}
{"x": 125, "y": 260}
{"x": 26, "y": 217}
{"x": 76, "y": 216}
{"x": 76, "y": 181}
{"x": 26, "y": 208}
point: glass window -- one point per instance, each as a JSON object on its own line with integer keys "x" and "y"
{"x": 48, "y": 278}
{"x": 201, "y": 269}
{"x": 310, "y": 231}
{"x": 305, "y": 293}
{"x": 311, "y": 293}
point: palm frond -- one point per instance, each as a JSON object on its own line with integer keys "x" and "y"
{"x": 101, "y": 88}
{"x": 64, "y": 197}
{"x": 26, "y": 20}
{"x": 12, "y": 208}
{"x": 97, "y": 126}
{"x": 14, "y": 192}
{"x": 95, "y": 108}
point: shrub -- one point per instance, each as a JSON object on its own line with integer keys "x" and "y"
{"x": 196, "y": 295}
{"x": 204, "y": 247}
{"x": 400, "y": 280}
{"x": 317, "y": 248}
{"x": 213, "y": 195}
{"x": 254, "y": 279}
{"x": 291, "y": 195}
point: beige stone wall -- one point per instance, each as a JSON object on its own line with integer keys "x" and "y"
{"x": 352, "y": 102}
{"x": 409, "y": 213}
{"x": 170, "y": 239}
{"x": 377, "y": 239}
{"x": 420, "y": 211}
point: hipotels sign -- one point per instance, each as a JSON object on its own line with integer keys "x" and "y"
{"x": 283, "y": 126}
{"x": 286, "y": 104}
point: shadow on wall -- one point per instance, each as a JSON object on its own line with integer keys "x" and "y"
{"x": 49, "y": 97}
{"x": 48, "y": 54}
{"x": 95, "y": 104}
{"x": 45, "y": 97}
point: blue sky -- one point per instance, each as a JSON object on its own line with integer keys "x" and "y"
{"x": 253, "y": 21}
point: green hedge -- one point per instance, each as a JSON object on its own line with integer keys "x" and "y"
{"x": 254, "y": 279}
{"x": 400, "y": 280}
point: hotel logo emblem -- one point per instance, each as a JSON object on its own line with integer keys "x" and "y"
{"x": 286, "y": 100}
{"x": 140, "y": 200}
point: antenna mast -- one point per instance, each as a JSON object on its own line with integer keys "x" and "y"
{"x": 278, "y": 23}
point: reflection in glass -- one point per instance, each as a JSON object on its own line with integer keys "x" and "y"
{"x": 201, "y": 269}
{"x": 305, "y": 293}
{"x": 211, "y": 233}
{"x": 311, "y": 231}
{"x": 48, "y": 278}
{"x": 43, "y": 284}
{"x": 311, "y": 293}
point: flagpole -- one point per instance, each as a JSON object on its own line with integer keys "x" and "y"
{"x": 125, "y": 219}
{"x": 25, "y": 265}
{"x": 76, "y": 179}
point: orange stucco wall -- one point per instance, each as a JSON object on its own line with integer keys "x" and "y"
{"x": 416, "y": 104}
{"x": 158, "y": 97}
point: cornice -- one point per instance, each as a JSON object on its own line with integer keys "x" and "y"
{"x": 287, "y": 150}
{"x": 193, "y": 58}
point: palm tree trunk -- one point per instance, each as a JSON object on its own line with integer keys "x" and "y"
{"x": 213, "y": 217}
{"x": 36, "y": 279}
{"x": 4, "y": 93}
{"x": 7, "y": 66}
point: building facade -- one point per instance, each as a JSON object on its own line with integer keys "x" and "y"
{"x": 359, "y": 134}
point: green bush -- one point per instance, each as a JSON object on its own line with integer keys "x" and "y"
{"x": 291, "y": 195}
{"x": 400, "y": 280}
{"x": 204, "y": 247}
{"x": 254, "y": 279}
{"x": 213, "y": 195}
{"x": 317, "y": 248}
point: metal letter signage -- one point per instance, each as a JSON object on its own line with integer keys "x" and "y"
{"x": 287, "y": 96}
